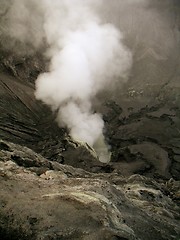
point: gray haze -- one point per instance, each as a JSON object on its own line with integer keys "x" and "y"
{"x": 93, "y": 46}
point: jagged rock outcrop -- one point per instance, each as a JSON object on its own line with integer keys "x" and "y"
{"x": 45, "y": 200}
{"x": 53, "y": 187}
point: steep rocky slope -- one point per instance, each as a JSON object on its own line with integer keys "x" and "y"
{"x": 28, "y": 122}
{"x": 52, "y": 187}
{"x": 134, "y": 130}
{"x": 44, "y": 197}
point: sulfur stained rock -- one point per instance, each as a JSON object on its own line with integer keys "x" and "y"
{"x": 69, "y": 203}
{"x": 52, "y": 187}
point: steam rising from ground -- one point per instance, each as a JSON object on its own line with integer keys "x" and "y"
{"x": 86, "y": 56}
{"x": 87, "y": 53}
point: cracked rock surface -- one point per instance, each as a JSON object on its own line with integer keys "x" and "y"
{"x": 41, "y": 199}
{"x": 53, "y": 187}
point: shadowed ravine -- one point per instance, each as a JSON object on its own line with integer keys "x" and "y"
{"x": 53, "y": 187}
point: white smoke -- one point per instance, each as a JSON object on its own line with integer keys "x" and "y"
{"x": 86, "y": 56}
{"x": 22, "y": 21}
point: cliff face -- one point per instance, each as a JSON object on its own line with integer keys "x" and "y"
{"x": 28, "y": 122}
{"x": 55, "y": 188}
{"x": 52, "y": 187}
{"x": 143, "y": 138}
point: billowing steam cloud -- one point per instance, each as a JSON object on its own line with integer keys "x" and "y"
{"x": 86, "y": 56}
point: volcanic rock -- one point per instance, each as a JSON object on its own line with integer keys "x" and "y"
{"x": 41, "y": 199}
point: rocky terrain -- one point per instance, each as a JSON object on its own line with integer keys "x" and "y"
{"x": 43, "y": 199}
{"x": 53, "y": 187}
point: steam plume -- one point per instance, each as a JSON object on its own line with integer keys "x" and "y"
{"x": 85, "y": 57}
